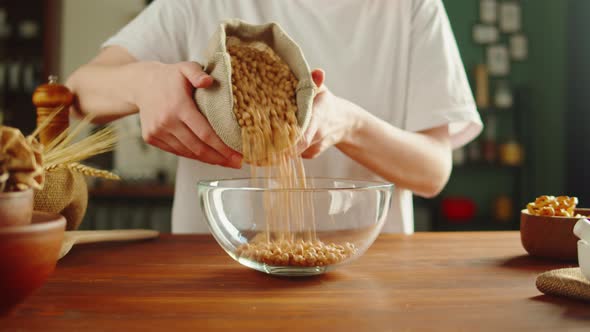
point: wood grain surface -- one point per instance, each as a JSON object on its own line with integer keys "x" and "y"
{"x": 424, "y": 282}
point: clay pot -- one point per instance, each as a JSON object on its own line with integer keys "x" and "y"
{"x": 16, "y": 208}
{"x": 550, "y": 237}
{"x": 28, "y": 255}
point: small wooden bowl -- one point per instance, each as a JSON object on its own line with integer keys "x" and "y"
{"x": 550, "y": 237}
{"x": 28, "y": 254}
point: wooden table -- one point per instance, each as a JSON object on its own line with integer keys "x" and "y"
{"x": 428, "y": 281}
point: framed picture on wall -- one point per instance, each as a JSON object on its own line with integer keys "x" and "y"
{"x": 498, "y": 60}
{"x": 488, "y": 10}
{"x": 485, "y": 34}
{"x": 510, "y": 17}
{"x": 519, "y": 47}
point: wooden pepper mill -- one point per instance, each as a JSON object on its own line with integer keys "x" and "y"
{"x": 65, "y": 192}
{"x": 48, "y": 98}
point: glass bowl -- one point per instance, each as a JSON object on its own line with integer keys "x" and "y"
{"x": 295, "y": 231}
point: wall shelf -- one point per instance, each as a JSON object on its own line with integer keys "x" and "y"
{"x": 483, "y": 182}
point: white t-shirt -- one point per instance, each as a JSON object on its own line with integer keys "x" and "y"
{"x": 396, "y": 59}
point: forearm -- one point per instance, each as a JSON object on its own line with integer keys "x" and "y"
{"x": 105, "y": 90}
{"x": 420, "y": 162}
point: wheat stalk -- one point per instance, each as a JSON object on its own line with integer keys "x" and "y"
{"x": 91, "y": 171}
{"x": 85, "y": 170}
{"x": 47, "y": 121}
{"x": 62, "y": 153}
{"x": 102, "y": 141}
{"x": 69, "y": 134}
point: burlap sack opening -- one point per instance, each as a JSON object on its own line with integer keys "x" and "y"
{"x": 216, "y": 102}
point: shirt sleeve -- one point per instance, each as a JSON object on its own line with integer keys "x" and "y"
{"x": 438, "y": 89}
{"x": 158, "y": 33}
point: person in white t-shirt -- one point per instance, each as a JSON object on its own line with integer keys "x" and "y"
{"x": 395, "y": 99}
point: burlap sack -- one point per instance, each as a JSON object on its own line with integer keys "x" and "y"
{"x": 568, "y": 282}
{"x": 65, "y": 192}
{"x": 216, "y": 103}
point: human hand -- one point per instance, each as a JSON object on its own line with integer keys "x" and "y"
{"x": 169, "y": 116}
{"x": 329, "y": 125}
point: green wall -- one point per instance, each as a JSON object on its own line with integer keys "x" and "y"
{"x": 544, "y": 73}
{"x": 547, "y": 28}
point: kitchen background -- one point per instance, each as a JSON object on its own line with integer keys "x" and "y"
{"x": 526, "y": 61}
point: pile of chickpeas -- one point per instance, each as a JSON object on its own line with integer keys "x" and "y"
{"x": 265, "y": 105}
{"x": 296, "y": 252}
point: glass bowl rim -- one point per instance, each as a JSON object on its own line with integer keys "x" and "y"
{"x": 370, "y": 185}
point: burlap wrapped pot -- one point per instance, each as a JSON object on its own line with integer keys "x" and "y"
{"x": 65, "y": 192}
{"x": 216, "y": 102}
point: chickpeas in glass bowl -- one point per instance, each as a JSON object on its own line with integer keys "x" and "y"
{"x": 295, "y": 231}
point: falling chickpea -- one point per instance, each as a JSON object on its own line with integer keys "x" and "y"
{"x": 265, "y": 107}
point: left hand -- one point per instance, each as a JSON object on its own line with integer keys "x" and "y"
{"x": 329, "y": 124}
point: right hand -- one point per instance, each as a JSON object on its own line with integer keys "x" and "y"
{"x": 169, "y": 116}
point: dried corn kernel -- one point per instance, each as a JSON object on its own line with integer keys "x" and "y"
{"x": 560, "y": 206}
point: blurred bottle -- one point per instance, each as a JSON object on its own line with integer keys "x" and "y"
{"x": 511, "y": 153}
{"x": 28, "y": 29}
{"x": 503, "y": 95}
{"x": 3, "y": 76}
{"x": 503, "y": 209}
{"x": 13, "y": 79}
{"x": 459, "y": 156}
{"x": 482, "y": 89}
{"x": 5, "y": 28}
{"x": 458, "y": 209}
{"x": 489, "y": 141}
{"x": 474, "y": 152}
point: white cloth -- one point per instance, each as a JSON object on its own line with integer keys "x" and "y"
{"x": 396, "y": 59}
